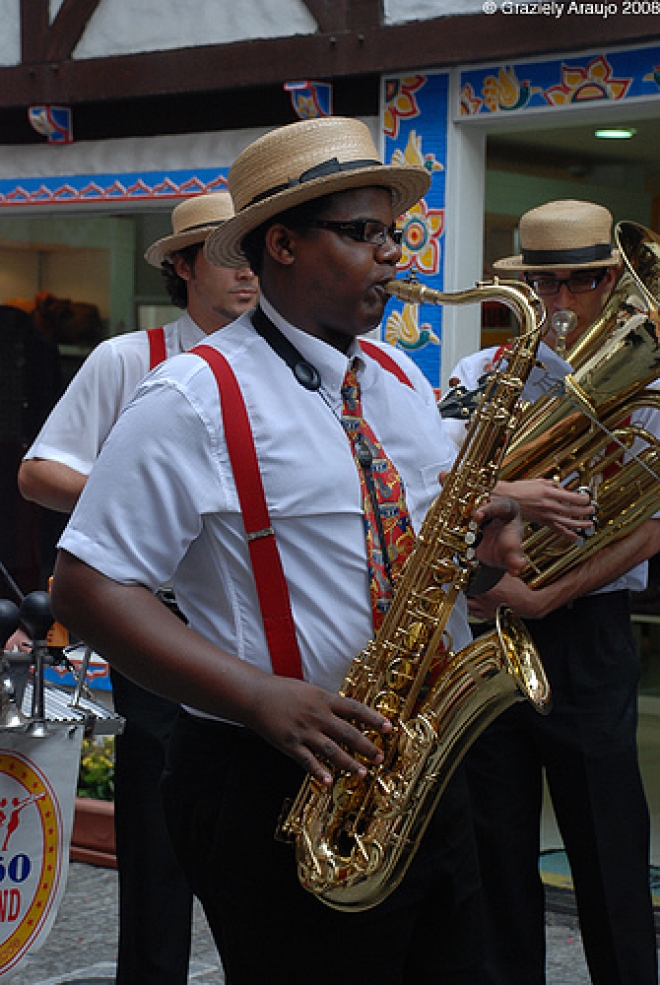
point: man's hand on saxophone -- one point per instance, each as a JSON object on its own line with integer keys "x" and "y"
{"x": 501, "y": 529}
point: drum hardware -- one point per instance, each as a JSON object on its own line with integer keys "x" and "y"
{"x": 37, "y": 619}
{"x": 80, "y": 678}
{"x": 11, "y": 584}
{"x": 11, "y": 716}
{"x": 51, "y": 705}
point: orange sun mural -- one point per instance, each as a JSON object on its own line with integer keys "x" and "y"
{"x": 586, "y": 84}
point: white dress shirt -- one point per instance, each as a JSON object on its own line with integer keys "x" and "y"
{"x": 161, "y": 502}
{"x": 80, "y": 422}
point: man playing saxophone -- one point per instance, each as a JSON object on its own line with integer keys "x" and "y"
{"x": 586, "y": 747}
{"x": 315, "y": 216}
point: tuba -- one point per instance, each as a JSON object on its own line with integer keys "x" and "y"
{"x": 355, "y": 839}
{"x": 584, "y": 437}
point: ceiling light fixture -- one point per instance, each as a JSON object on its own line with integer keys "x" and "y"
{"x": 616, "y": 133}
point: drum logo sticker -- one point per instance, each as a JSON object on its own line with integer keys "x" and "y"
{"x": 30, "y": 855}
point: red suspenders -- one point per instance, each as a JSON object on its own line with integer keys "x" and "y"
{"x": 269, "y": 577}
{"x": 272, "y": 589}
{"x": 157, "y": 350}
{"x": 385, "y": 360}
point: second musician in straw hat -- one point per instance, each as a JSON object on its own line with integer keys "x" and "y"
{"x": 316, "y": 217}
{"x": 155, "y": 901}
{"x": 586, "y": 749}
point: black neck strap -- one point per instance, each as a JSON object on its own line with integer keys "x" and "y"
{"x": 306, "y": 374}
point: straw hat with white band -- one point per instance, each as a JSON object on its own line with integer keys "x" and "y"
{"x": 564, "y": 234}
{"x": 192, "y": 221}
{"x": 301, "y": 162}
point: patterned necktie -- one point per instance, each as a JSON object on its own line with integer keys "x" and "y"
{"x": 388, "y": 530}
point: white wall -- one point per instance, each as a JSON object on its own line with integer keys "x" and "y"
{"x": 119, "y": 27}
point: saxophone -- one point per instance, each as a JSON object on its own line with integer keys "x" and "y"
{"x": 355, "y": 839}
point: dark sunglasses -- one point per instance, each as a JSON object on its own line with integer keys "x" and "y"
{"x": 363, "y": 231}
{"x": 547, "y": 287}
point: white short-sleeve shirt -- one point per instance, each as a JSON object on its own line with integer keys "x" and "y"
{"x": 80, "y": 422}
{"x": 161, "y": 502}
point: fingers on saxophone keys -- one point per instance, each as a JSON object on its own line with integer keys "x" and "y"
{"x": 340, "y": 760}
{"x": 351, "y": 748}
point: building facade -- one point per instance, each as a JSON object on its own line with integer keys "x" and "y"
{"x": 112, "y": 110}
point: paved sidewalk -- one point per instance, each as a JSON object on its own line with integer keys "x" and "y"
{"x": 81, "y": 946}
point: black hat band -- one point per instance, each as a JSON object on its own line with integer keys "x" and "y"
{"x": 566, "y": 258}
{"x": 332, "y": 166}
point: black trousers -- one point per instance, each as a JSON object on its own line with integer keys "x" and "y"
{"x": 155, "y": 901}
{"x": 587, "y": 748}
{"x": 223, "y": 795}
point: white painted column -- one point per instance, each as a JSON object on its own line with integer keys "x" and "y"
{"x": 464, "y": 235}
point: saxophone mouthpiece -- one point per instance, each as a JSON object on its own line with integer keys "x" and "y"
{"x": 408, "y": 289}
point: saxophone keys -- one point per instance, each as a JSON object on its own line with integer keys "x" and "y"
{"x": 379, "y": 741}
{"x": 400, "y": 673}
{"x": 388, "y": 704}
{"x": 430, "y": 598}
{"x": 417, "y": 635}
{"x": 371, "y": 853}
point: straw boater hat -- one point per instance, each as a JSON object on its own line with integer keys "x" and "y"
{"x": 564, "y": 234}
{"x": 301, "y": 162}
{"x": 192, "y": 221}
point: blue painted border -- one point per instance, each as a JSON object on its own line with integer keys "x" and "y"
{"x": 118, "y": 187}
{"x": 614, "y": 77}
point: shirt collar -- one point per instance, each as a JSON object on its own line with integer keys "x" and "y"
{"x": 190, "y": 332}
{"x": 330, "y": 362}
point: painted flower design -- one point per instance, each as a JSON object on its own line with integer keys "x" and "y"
{"x": 579, "y": 85}
{"x": 422, "y": 229}
{"x": 470, "y": 103}
{"x": 400, "y": 102}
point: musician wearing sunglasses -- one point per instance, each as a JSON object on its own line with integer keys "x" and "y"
{"x": 329, "y": 422}
{"x": 586, "y": 749}
{"x": 583, "y": 292}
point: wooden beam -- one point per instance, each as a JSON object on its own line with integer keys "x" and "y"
{"x": 34, "y": 30}
{"x": 365, "y": 15}
{"x": 346, "y": 15}
{"x": 417, "y": 46}
{"x": 66, "y": 30}
{"x": 330, "y": 15}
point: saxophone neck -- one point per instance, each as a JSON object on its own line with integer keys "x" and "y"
{"x": 516, "y": 295}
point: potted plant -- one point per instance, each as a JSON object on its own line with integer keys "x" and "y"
{"x": 93, "y": 836}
